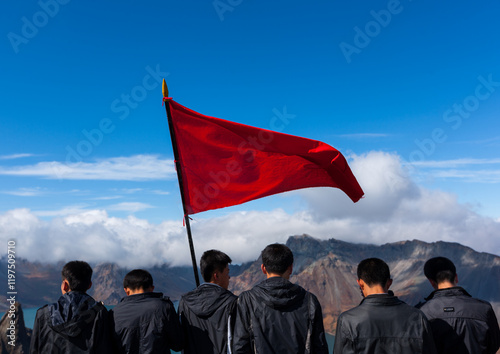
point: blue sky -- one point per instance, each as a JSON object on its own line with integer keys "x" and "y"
{"x": 407, "y": 90}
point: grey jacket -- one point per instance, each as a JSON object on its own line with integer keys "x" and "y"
{"x": 461, "y": 323}
{"x": 277, "y": 316}
{"x": 205, "y": 315}
{"x": 383, "y": 324}
{"x": 75, "y": 324}
{"x": 146, "y": 323}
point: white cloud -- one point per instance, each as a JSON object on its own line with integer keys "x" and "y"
{"x": 394, "y": 208}
{"x": 455, "y": 163}
{"x": 160, "y": 192}
{"x": 133, "y": 168}
{"x": 364, "y": 135}
{"x": 15, "y": 156}
{"x": 132, "y": 190}
{"x": 475, "y": 176}
{"x": 130, "y": 207}
{"x": 111, "y": 197}
{"x": 25, "y": 192}
{"x": 458, "y": 169}
{"x": 69, "y": 210}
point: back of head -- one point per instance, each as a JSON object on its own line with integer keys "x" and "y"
{"x": 374, "y": 271}
{"x": 277, "y": 258}
{"x": 440, "y": 269}
{"x": 211, "y": 261}
{"x": 138, "y": 279}
{"x": 78, "y": 274}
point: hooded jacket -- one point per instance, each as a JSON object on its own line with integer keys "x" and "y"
{"x": 146, "y": 323}
{"x": 461, "y": 323}
{"x": 277, "y": 316}
{"x": 206, "y": 314}
{"x": 383, "y": 324}
{"x": 75, "y": 324}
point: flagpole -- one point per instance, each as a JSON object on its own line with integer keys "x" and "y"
{"x": 181, "y": 185}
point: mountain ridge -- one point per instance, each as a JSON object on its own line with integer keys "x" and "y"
{"x": 327, "y": 268}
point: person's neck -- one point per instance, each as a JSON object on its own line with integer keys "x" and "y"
{"x": 375, "y": 290}
{"x": 273, "y": 275}
{"x": 445, "y": 285}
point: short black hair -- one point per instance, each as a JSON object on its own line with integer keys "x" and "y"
{"x": 374, "y": 271}
{"x": 78, "y": 274}
{"x": 211, "y": 261}
{"x": 440, "y": 269}
{"x": 138, "y": 279}
{"x": 277, "y": 258}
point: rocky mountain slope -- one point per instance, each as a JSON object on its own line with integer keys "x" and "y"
{"x": 326, "y": 268}
{"x": 14, "y": 336}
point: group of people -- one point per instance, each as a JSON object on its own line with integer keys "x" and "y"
{"x": 275, "y": 316}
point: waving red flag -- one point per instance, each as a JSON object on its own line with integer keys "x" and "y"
{"x": 225, "y": 163}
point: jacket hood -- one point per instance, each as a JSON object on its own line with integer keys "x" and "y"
{"x": 72, "y": 312}
{"x": 206, "y": 299}
{"x": 278, "y": 293}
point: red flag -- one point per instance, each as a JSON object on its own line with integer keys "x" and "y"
{"x": 225, "y": 163}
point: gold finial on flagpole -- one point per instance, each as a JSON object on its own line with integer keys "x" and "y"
{"x": 164, "y": 89}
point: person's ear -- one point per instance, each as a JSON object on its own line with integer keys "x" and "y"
{"x": 263, "y": 269}
{"x": 388, "y": 284}
{"x": 65, "y": 286}
{"x": 433, "y": 284}
{"x": 456, "y": 279}
{"x": 361, "y": 284}
{"x": 90, "y": 285}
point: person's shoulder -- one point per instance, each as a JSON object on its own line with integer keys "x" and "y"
{"x": 311, "y": 295}
{"x": 42, "y": 312}
{"x": 454, "y": 295}
{"x": 44, "y": 308}
{"x": 101, "y": 308}
{"x": 350, "y": 315}
{"x": 412, "y": 309}
{"x": 159, "y": 298}
{"x": 480, "y": 301}
{"x": 246, "y": 295}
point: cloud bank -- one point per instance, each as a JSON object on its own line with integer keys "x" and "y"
{"x": 131, "y": 168}
{"x": 394, "y": 208}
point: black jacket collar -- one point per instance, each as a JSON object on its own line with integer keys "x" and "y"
{"x": 454, "y": 291}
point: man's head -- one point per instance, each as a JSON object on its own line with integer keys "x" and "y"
{"x": 76, "y": 276}
{"x": 277, "y": 260}
{"x": 441, "y": 272}
{"x": 138, "y": 281}
{"x": 214, "y": 267}
{"x": 373, "y": 276}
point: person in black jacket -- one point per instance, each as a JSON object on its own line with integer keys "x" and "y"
{"x": 76, "y": 323}
{"x": 460, "y": 323}
{"x": 207, "y": 312}
{"x": 381, "y": 323}
{"x": 276, "y": 316}
{"x": 145, "y": 321}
